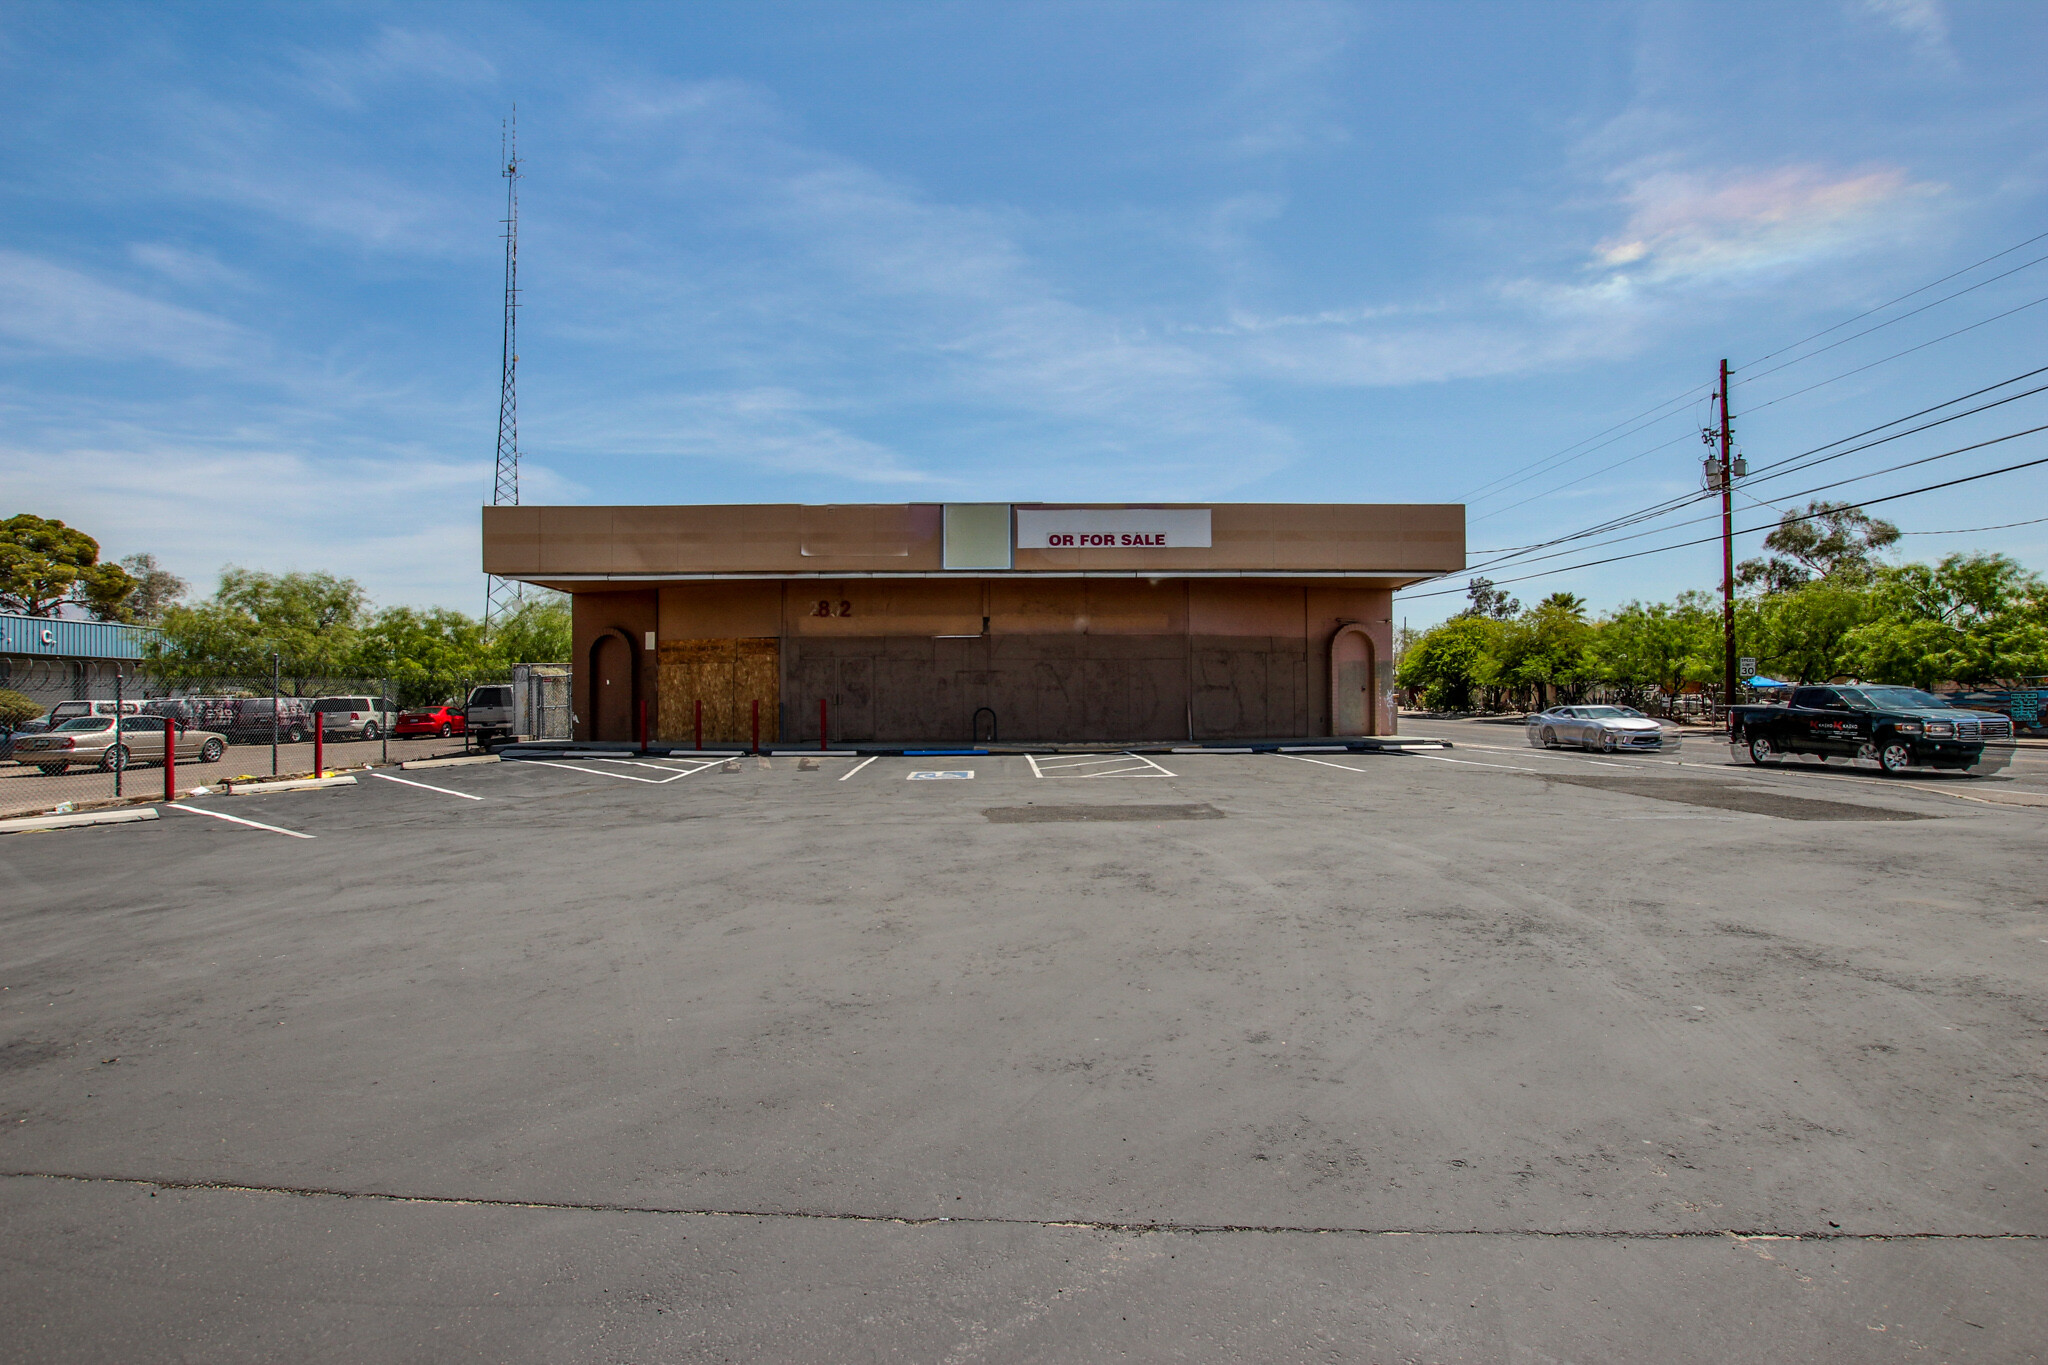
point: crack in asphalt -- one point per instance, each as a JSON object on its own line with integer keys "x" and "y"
{"x": 972, "y": 1220}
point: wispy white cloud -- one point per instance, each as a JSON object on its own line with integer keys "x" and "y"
{"x": 963, "y": 311}
{"x": 775, "y": 429}
{"x": 1689, "y": 225}
{"x": 184, "y": 266}
{"x": 405, "y": 526}
{"x": 1924, "y": 23}
{"x": 342, "y": 76}
{"x": 50, "y": 308}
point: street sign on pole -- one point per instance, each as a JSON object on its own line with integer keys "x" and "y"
{"x": 1748, "y": 668}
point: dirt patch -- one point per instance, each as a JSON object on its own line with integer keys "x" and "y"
{"x": 1748, "y": 800}
{"x": 1043, "y": 815}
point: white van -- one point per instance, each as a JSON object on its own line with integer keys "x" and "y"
{"x": 72, "y": 710}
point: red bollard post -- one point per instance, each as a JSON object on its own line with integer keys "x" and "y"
{"x": 757, "y": 725}
{"x": 821, "y": 722}
{"x": 319, "y": 744}
{"x": 700, "y": 724}
{"x": 170, "y": 759}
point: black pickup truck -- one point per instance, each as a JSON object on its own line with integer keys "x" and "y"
{"x": 1895, "y": 728}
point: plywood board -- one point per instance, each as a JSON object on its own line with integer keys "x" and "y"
{"x": 727, "y": 677}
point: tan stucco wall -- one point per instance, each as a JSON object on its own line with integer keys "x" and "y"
{"x": 1228, "y": 658}
{"x": 540, "y": 543}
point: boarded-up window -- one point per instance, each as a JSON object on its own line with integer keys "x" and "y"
{"x": 728, "y": 677}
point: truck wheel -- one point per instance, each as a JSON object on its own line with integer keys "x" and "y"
{"x": 1894, "y": 758}
{"x": 370, "y": 731}
{"x": 1760, "y": 750}
{"x": 293, "y": 734}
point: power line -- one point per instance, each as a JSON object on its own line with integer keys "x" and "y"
{"x": 1673, "y": 504}
{"x": 1915, "y": 312}
{"x": 1657, "y": 411}
{"x": 1896, "y": 354}
{"x": 1868, "y": 312}
{"x": 1805, "y": 516}
{"x": 1793, "y": 497}
{"x": 1606, "y": 469}
{"x": 1857, "y": 436}
{"x": 1655, "y": 414}
{"x": 1969, "y": 530}
{"x": 1762, "y": 476}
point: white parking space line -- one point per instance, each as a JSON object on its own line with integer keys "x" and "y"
{"x": 445, "y": 791}
{"x": 676, "y": 774}
{"x": 1635, "y": 761}
{"x": 1136, "y": 765}
{"x": 253, "y": 824}
{"x": 858, "y": 766}
{"x": 1504, "y": 767}
{"x": 1323, "y": 762}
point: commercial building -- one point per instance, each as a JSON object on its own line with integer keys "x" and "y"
{"x": 932, "y": 622}
{"x": 54, "y": 659}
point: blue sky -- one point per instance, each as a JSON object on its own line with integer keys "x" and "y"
{"x": 250, "y": 273}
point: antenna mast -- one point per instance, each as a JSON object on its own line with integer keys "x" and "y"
{"x": 503, "y": 596}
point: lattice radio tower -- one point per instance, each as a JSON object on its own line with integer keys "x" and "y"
{"x": 503, "y": 596}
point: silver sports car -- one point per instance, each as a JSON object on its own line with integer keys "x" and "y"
{"x": 1613, "y": 728}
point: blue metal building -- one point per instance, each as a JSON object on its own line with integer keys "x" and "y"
{"x": 52, "y": 659}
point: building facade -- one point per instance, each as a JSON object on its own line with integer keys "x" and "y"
{"x": 941, "y": 623}
{"x": 52, "y": 659}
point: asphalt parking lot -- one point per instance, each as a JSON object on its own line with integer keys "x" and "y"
{"x": 26, "y": 790}
{"x": 1480, "y": 1055}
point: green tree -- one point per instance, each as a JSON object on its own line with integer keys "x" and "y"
{"x": 1482, "y": 599}
{"x": 1660, "y": 645}
{"x": 537, "y": 633}
{"x": 1550, "y": 646}
{"x": 1835, "y": 541}
{"x": 44, "y": 564}
{"x": 426, "y": 654}
{"x": 157, "y": 589}
{"x": 309, "y": 620}
{"x": 1802, "y": 634}
{"x": 1446, "y": 664}
{"x": 1971, "y": 618}
{"x": 16, "y": 707}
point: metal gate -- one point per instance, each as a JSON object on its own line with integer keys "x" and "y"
{"x": 540, "y": 701}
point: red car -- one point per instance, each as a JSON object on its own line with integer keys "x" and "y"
{"x": 444, "y": 720}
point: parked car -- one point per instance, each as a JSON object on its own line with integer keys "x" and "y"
{"x": 91, "y": 742}
{"x": 443, "y": 719}
{"x": 252, "y": 716}
{"x": 488, "y": 712}
{"x": 1894, "y": 728}
{"x": 354, "y": 717}
{"x": 71, "y": 710}
{"x": 1612, "y": 728}
{"x": 27, "y": 727}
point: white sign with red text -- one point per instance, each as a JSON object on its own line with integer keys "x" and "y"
{"x": 1124, "y": 528}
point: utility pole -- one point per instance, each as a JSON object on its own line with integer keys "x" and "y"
{"x": 1727, "y": 481}
{"x": 502, "y": 596}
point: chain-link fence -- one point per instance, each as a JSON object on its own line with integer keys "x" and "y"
{"x": 147, "y": 737}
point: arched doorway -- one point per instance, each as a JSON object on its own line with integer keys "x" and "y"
{"x": 614, "y": 687}
{"x": 1351, "y": 682}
